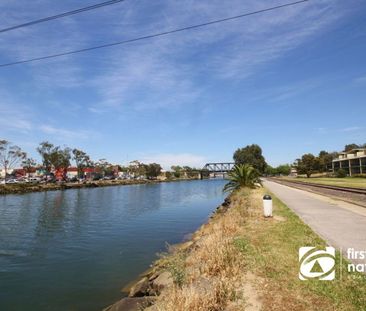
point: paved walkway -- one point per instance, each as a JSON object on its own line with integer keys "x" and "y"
{"x": 341, "y": 224}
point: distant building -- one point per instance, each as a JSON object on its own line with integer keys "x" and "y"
{"x": 2, "y": 172}
{"x": 293, "y": 172}
{"x": 72, "y": 172}
{"x": 353, "y": 162}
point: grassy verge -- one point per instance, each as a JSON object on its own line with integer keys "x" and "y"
{"x": 272, "y": 252}
{"x": 239, "y": 261}
{"x": 353, "y": 182}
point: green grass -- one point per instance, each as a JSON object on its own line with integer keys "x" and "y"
{"x": 271, "y": 252}
{"x": 353, "y": 182}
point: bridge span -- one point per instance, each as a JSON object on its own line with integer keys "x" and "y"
{"x": 215, "y": 169}
{"x": 219, "y": 167}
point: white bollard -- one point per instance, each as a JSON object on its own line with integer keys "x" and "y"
{"x": 267, "y": 206}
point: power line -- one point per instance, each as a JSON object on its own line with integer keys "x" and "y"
{"x": 150, "y": 36}
{"x": 61, "y": 15}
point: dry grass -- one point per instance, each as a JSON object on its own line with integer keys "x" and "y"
{"x": 240, "y": 258}
{"x": 214, "y": 277}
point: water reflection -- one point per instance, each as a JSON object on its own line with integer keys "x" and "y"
{"x": 75, "y": 249}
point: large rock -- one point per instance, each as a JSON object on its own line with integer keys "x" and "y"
{"x": 131, "y": 304}
{"x": 163, "y": 280}
{"x": 141, "y": 288}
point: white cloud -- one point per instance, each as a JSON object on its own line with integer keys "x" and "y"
{"x": 10, "y": 121}
{"x": 174, "y": 71}
{"x": 351, "y": 129}
{"x": 170, "y": 72}
{"x": 166, "y": 160}
{"x": 62, "y": 134}
{"x": 12, "y": 115}
{"x": 348, "y": 129}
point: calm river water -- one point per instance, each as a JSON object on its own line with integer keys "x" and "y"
{"x": 75, "y": 249}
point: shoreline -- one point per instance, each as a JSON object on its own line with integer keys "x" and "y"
{"x": 10, "y": 189}
{"x": 143, "y": 290}
{"x": 240, "y": 260}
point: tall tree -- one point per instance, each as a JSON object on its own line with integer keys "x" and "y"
{"x": 308, "y": 164}
{"x": 350, "y": 147}
{"x": 81, "y": 159}
{"x": 28, "y": 164}
{"x": 104, "y": 167}
{"x": 55, "y": 158}
{"x": 252, "y": 155}
{"x": 10, "y": 156}
{"x": 137, "y": 169}
{"x": 191, "y": 172}
{"x": 60, "y": 160}
{"x": 270, "y": 170}
{"x": 45, "y": 150}
{"x": 153, "y": 170}
{"x": 325, "y": 160}
{"x": 283, "y": 169}
{"x": 177, "y": 170}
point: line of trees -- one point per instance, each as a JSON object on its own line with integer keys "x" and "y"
{"x": 308, "y": 164}
{"x": 59, "y": 159}
{"x": 180, "y": 171}
{"x": 283, "y": 169}
{"x": 56, "y": 158}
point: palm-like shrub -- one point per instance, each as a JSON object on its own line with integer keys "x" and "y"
{"x": 243, "y": 175}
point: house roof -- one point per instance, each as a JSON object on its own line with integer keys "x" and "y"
{"x": 356, "y": 150}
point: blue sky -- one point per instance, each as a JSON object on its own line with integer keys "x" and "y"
{"x": 292, "y": 80}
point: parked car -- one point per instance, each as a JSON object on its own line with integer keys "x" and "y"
{"x": 12, "y": 181}
{"x": 34, "y": 180}
{"x": 50, "y": 178}
{"x": 22, "y": 180}
{"x": 108, "y": 178}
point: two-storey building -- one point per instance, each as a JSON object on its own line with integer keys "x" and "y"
{"x": 353, "y": 162}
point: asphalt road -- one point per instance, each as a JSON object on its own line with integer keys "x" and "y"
{"x": 341, "y": 224}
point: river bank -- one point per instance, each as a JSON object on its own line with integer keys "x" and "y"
{"x": 240, "y": 260}
{"x": 27, "y": 188}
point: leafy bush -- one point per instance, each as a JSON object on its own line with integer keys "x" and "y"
{"x": 341, "y": 173}
{"x": 242, "y": 175}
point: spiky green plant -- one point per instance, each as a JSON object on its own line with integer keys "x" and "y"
{"x": 242, "y": 175}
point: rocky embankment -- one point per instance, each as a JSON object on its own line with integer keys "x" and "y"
{"x": 163, "y": 274}
{"x": 26, "y": 188}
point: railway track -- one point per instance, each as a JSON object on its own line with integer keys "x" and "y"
{"x": 337, "y": 188}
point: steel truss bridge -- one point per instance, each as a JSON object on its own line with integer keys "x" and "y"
{"x": 224, "y": 167}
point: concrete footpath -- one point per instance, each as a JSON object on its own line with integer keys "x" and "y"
{"x": 341, "y": 224}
